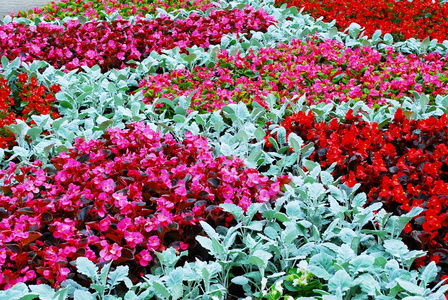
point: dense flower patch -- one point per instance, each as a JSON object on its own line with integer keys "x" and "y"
{"x": 110, "y": 45}
{"x": 403, "y": 165}
{"x": 119, "y": 198}
{"x": 403, "y": 19}
{"x": 29, "y": 98}
{"x": 98, "y": 9}
{"x": 325, "y": 71}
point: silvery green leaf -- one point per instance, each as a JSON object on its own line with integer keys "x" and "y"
{"x": 242, "y": 136}
{"x": 44, "y": 291}
{"x": 260, "y": 258}
{"x": 99, "y": 288}
{"x": 424, "y": 45}
{"x": 161, "y": 290}
{"x": 253, "y": 158}
{"x": 179, "y": 119}
{"x": 118, "y": 275}
{"x": 86, "y": 267}
{"x": 396, "y": 248}
{"x": 410, "y": 287}
{"x": 273, "y": 170}
{"x": 83, "y": 295}
{"x": 340, "y": 282}
{"x": 240, "y": 280}
{"x": 20, "y": 152}
{"x": 429, "y": 273}
{"x": 321, "y": 265}
{"x": 368, "y": 284}
{"x": 359, "y": 200}
{"x": 20, "y": 129}
{"x": 5, "y": 62}
{"x": 361, "y": 263}
{"x": 293, "y": 209}
{"x": 177, "y": 291}
{"x": 345, "y": 253}
{"x": 209, "y": 230}
{"x": 310, "y": 165}
{"x": 347, "y": 235}
{"x": 281, "y": 217}
{"x": 236, "y": 211}
{"x": 326, "y": 178}
{"x": 271, "y": 232}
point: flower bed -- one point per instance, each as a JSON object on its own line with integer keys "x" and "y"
{"x": 402, "y": 166}
{"x": 98, "y": 9}
{"x": 403, "y": 19}
{"x": 325, "y": 71}
{"x": 29, "y": 98}
{"x": 110, "y": 45}
{"x": 120, "y": 198}
{"x": 194, "y": 199}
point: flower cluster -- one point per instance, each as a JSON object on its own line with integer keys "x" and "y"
{"x": 110, "y": 45}
{"x": 325, "y": 70}
{"x": 30, "y": 98}
{"x": 98, "y": 9}
{"x": 403, "y": 165}
{"x": 402, "y": 19}
{"x": 119, "y": 198}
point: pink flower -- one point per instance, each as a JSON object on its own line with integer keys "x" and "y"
{"x": 264, "y": 196}
{"x": 124, "y": 224}
{"x": 164, "y": 217}
{"x": 120, "y": 56}
{"x": 145, "y": 258}
{"x": 108, "y": 186}
{"x": 133, "y": 238}
{"x": 104, "y": 224}
{"x": 64, "y": 230}
{"x": 153, "y": 242}
{"x": 110, "y": 252}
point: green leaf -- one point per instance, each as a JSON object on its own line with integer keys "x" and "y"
{"x": 281, "y": 217}
{"x": 120, "y": 273}
{"x": 295, "y": 142}
{"x": 321, "y": 265}
{"x": 45, "y": 291}
{"x": 260, "y": 258}
{"x": 161, "y": 290}
{"x": 111, "y": 88}
{"x": 66, "y": 104}
{"x": 368, "y": 284}
{"x": 236, "y": 211}
{"x": 396, "y": 248}
{"x": 86, "y": 267}
{"x": 240, "y": 280}
{"x": 104, "y": 273}
{"x": 410, "y": 287}
{"x": 429, "y": 273}
{"x": 361, "y": 263}
{"x": 209, "y": 230}
{"x": 83, "y": 295}
{"x": 5, "y": 62}
{"x": 341, "y": 281}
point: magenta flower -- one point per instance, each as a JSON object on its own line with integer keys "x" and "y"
{"x": 108, "y": 186}
{"x": 145, "y": 258}
{"x": 153, "y": 242}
